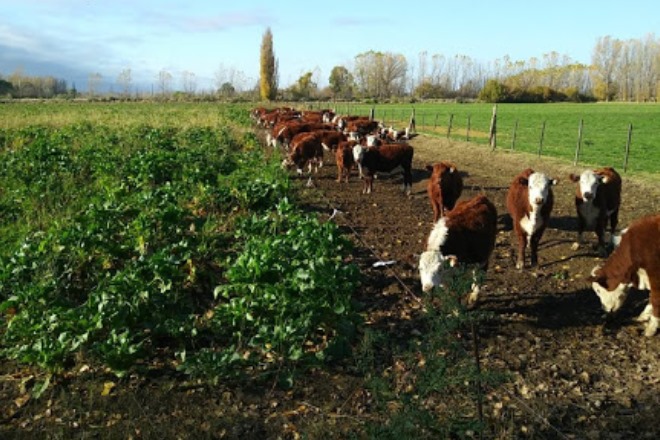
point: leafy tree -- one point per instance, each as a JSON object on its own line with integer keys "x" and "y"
{"x": 268, "y": 68}
{"x": 5, "y": 87}
{"x": 427, "y": 90}
{"x": 493, "y": 91}
{"x": 380, "y": 75}
{"x": 341, "y": 82}
{"x": 227, "y": 90}
{"x": 305, "y": 87}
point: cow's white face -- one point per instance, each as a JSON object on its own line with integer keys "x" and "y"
{"x": 611, "y": 300}
{"x": 538, "y": 188}
{"x": 358, "y": 153}
{"x": 430, "y": 269}
{"x": 589, "y": 182}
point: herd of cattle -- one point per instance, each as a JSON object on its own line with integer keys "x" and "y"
{"x": 464, "y": 232}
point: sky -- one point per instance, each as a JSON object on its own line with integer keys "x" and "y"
{"x": 211, "y": 39}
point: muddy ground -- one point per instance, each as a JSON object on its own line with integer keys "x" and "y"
{"x": 573, "y": 377}
{"x": 570, "y": 377}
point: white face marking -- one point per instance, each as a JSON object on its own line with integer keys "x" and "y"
{"x": 430, "y": 269}
{"x": 538, "y": 188}
{"x": 358, "y": 153}
{"x": 589, "y": 182}
{"x": 611, "y": 300}
{"x": 438, "y": 235}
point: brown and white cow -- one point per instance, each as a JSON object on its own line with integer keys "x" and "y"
{"x": 529, "y": 202}
{"x": 466, "y": 235}
{"x": 345, "y": 160}
{"x": 444, "y": 187}
{"x": 384, "y": 159}
{"x": 634, "y": 263}
{"x": 597, "y": 201}
{"x": 306, "y": 149}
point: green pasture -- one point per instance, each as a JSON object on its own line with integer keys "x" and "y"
{"x": 548, "y": 129}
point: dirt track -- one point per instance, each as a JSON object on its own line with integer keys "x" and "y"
{"x": 571, "y": 377}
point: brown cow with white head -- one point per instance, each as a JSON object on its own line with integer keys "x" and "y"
{"x": 466, "y": 235}
{"x": 635, "y": 263}
{"x": 597, "y": 200}
{"x": 529, "y": 201}
{"x": 444, "y": 187}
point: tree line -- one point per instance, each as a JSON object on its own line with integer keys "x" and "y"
{"x": 620, "y": 70}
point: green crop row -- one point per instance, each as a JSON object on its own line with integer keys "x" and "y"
{"x": 121, "y": 243}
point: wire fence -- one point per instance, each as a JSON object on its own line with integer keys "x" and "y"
{"x": 624, "y": 137}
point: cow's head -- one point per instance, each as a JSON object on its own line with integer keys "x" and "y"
{"x": 611, "y": 300}
{"x": 431, "y": 267}
{"x": 538, "y": 187}
{"x": 588, "y": 183}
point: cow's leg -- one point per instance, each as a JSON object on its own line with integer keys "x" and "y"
{"x": 522, "y": 244}
{"x": 437, "y": 213}
{"x": 580, "y": 239}
{"x": 654, "y": 300}
{"x": 614, "y": 221}
{"x": 534, "y": 248}
{"x": 407, "y": 179}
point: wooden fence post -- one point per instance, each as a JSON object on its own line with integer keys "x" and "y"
{"x": 579, "y": 143}
{"x": 411, "y": 124}
{"x": 513, "y": 135}
{"x": 625, "y": 160}
{"x": 541, "y": 139}
{"x": 492, "y": 133}
{"x": 467, "y": 131}
{"x": 451, "y": 121}
{"x": 371, "y": 113}
{"x": 435, "y": 123}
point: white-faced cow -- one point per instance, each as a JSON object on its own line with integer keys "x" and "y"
{"x": 597, "y": 200}
{"x": 384, "y": 159}
{"x": 634, "y": 263}
{"x": 306, "y": 149}
{"x": 466, "y": 235}
{"x": 529, "y": 202}
{"x": 444, "y": 187}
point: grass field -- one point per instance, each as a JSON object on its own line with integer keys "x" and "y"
{"x": 604, "y": 132}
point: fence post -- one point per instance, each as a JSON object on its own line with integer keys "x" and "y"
{"x": 541, "y": 139}
{"x": 579, "y": 143}
{"x": 625, "y": 160}
{"x": 467, "y": 131}
{"x": 492, "y": 133}
{"x": 435, "y": 123}
{"x": 451, "y": 121}
{"x": 513, "y": 136}
{"x": 411, "y": 124}
{"x": 371, "y": 113}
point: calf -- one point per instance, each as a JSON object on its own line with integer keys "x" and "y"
{"x": 634, "y": 263}
{"x": 597, "y": 200}
{"x": 306, "y": 149}
{"x": 384, "y": 159}
{"x": 345, "y": 160}
{"x": 444, "y": 187}
{"x": 466, "y": 235}
{"x": 529, "y": 202}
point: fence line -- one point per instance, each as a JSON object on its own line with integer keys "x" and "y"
{"x": 521, "y": 136}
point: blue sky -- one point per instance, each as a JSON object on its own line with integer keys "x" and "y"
{"x": 71, "y": 39}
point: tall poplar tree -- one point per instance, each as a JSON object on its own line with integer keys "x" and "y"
{"x": 268, "y": 70}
